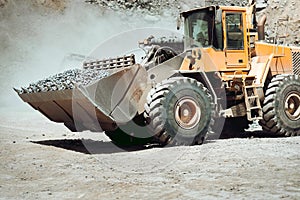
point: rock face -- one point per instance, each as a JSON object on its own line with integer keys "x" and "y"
{"x": 274, "y": 9}
{"x": 282, "y": 9}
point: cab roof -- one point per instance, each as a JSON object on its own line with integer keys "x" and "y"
{"x": 188, "y": 12}
{"x": 227, "y": 8}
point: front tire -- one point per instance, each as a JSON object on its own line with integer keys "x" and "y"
{"x": 281, "y": 107}
{"x": 180, "y": 111}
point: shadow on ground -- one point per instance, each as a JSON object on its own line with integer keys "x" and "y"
{"x": 247, "y": 134}
{"x": 87, "y": 146}
{"x": 91, "y": 146}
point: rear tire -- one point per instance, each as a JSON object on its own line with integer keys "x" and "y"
{"x": 180, "y": 111}
{"x": 281, "y": 107}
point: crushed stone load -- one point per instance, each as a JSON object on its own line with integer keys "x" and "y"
{"x": 64, "y": 80}
{"x": 87, "y": 76}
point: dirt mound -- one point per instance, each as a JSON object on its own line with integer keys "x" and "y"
{"x": 58, "y": 5}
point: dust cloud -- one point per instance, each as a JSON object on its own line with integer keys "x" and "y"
{"x": 37, "y": 40}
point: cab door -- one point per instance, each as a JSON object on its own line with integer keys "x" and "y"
{"x": 236, "y": 52}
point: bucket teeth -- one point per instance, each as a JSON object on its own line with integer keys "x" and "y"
{"x": 18, "y": 91}
{"x": 24, "y": 90}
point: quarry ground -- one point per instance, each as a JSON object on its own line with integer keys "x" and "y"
{"x": 43, "y": 160}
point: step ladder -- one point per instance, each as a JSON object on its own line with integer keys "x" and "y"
{"x": 253, "y": 106}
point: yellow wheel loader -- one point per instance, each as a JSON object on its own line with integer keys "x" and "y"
{"x": 225, "y": 72}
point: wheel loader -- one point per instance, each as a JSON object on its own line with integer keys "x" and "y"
{"x": 225, "y": 73}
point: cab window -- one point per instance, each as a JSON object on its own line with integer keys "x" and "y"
{"x": 234, "y": 26}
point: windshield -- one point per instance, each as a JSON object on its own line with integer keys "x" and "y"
{"x": 198, "y": 29}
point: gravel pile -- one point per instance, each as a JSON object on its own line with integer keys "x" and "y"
{"x": 64, "y": 80}
{"x": 87, "y": 76}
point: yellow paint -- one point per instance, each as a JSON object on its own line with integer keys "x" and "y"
{"x": 251, "y": 62}
{"x": 282, "y": 60}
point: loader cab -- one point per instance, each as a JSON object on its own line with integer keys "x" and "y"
{"x": 221, "y": 32}
{"x": 201, "y": 28}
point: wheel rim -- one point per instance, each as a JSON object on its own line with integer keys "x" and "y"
{"x": 187, "y": 113}
{"x": 292, "y": 106}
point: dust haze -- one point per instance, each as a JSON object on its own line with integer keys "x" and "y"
{"x": 38, "y": 40}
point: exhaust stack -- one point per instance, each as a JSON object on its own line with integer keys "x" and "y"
{"x": 261, "y": 27}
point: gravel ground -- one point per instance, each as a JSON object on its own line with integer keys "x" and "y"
{"x": 257, "y": 168}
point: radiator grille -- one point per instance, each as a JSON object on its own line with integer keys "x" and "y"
{"x": 296, "y": 62}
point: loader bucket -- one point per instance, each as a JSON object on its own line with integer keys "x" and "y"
{"x": 98, "y": 106}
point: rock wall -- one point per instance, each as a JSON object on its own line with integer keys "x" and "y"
{"x": 274, "y": 9}
{"x": 277, "y": 9}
